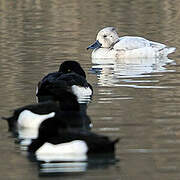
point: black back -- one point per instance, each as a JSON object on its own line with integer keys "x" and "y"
{"x": 72, "y": 66}
{"x": 96, "y": 143}
{"x": 70, "y": 73}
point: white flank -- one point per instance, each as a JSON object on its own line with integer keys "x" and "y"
{"x": 82, "y": 92}
{"x": 28, "y": 119}
{"x": 72, "y": 151}
{"x": 73, "y": 147}
{"x": 61, "y": 157}
{"x": 26, "y": 142}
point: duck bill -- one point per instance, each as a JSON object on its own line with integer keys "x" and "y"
{"x": 96, "y": 45}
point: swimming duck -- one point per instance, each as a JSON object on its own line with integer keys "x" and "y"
{"x": 54, "y": 137}
{"x": 67, "y": 106}
{"x": 67, "y": 142}
{"x": 26, "y": 115}
{"x": 109, "y": 45}
{"x": 70, "y": 77}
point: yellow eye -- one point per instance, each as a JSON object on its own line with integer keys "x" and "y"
{"x": 69, "y": 70}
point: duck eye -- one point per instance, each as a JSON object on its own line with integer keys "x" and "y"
{"x": 113, "y": 29}
{"x": 105, "y": 36}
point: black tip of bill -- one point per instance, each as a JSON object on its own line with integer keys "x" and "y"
{"x": 96, "y": 45}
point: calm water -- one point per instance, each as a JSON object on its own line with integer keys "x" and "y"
{"x": 138, "y": 102}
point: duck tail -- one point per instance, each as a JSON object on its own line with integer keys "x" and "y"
{"x": 4, "y": 118}
{"x": 167, "y": 50}
{"x": 116, "y": 140}
{"x": 113, "y": 144}
{"x": 171, "y": 50}
{"x": 10, "y": 121}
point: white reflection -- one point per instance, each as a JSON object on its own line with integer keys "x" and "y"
{"x": 25, "y": 135}
{"x": 119, "y": 72}
{"x": 75, "y": 165}
{"x": 63, "y": 167}
{"x": 85, "y": 99}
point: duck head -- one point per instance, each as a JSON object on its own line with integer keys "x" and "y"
{"x": 72, "y": 66}
{"x": 106, "y": 38}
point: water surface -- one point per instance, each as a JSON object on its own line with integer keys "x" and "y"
{"x": 138, "y": 102}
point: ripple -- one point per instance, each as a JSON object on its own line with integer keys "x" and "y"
{"x": 133, "y": 72}
{"x": 63, "y": 167}
{"x": 150, "y": 150}
{"x": 109, "y": 129}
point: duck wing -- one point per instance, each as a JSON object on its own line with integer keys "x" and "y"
{"x": 55, "y": 82}
{"x": 131, "y": 42}
{"x": 96, "y": 143}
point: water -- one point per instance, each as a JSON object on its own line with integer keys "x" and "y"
{"x": 137, "y": 102}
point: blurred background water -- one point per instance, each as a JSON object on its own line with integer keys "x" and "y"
{"x": 139, "y": 103}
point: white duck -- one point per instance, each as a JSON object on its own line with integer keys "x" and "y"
{"x": 109, "y": 45}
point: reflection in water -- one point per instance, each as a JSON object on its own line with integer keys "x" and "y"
{"x": 27, "y": 133}
{"x": 70, "y": 166}
{"x": 24, "y": 143}
{"x": 122, "y": 72}
{"x": 63, "y": 167}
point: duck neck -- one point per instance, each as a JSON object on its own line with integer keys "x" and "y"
{"x": 112, "y": 45}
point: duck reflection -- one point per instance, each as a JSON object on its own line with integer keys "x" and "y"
{"x": 62, "y": 167}
{"x": 77, "y": 166}
{"x": 112, "y": 72}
